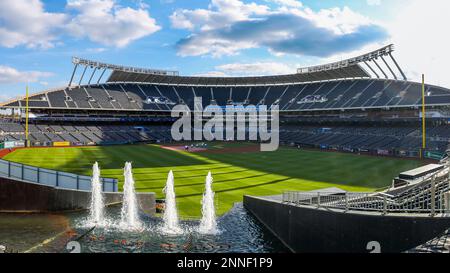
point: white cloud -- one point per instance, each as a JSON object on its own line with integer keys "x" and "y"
{"x": 25, "y": 22}
{"x": 420, "y": 36}
{"x": 373, "y": 2}
{"x": 256, "y": 69}
{"x": 220, "y": 13}
{"x": 105, "y": 23}
{"x": 96, "y": 50}
{"x": 230, "y": 26}
{"x": 212, "y": 74}
{"x": 5, "y": 97}
{"x": 249, "y": 69}
{"x": 339, "y": 20}
{"x": 9, "y": 75}
{"x": 287, "y": 3}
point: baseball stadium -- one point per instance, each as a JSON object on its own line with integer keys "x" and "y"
{"x": 357, "y": 139}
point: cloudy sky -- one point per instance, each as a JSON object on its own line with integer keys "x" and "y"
{"x": 215, "y": 37}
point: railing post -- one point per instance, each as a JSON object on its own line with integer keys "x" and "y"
{"x": 346, "y": 202}
{"x": 9, "y": 169}
{"x": 21, "y": 172}
{"x": 103, "y": 185}
{"x": 433, "y": 196}
{"x": 318, "y": 200}
{"x": 384, "y": 205}
{"x": 57, "y": 179}
{"x": 39, "y": 175}
{"x": 447, "y": 202}
{"x": 78, "y": 182}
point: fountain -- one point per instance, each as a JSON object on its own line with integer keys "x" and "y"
{"x": 97, "y": 204}
{"x": 171, "y": 225}
{"x": 208, "y": 224}
{"x": 129, "y": 214}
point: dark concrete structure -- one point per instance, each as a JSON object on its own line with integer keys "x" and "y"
{"x": 306, "y": 229}
{"x": 20, "y": 196}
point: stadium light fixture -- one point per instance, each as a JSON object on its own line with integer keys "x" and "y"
{"x": 357, "y": 61}
{"x": 350, "y": 62}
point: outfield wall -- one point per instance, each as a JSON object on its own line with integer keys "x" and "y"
{"x": 21, "y": 196}
{"x": 317, "y": 230}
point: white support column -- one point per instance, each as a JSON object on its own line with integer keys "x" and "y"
{"x": 82, "y": 75}
{"x": 101, "y": 76}
{"x": 371, "y": 69}
{"x": 390, "y": 69}
{"x": 381, "y": 69}
{"x": 92, "y": 75}
{"x": 447, "y": 202}
{"x": 73, "y": 75}
{"x": 398, "y": 67}
{"x": 433, "y": 196}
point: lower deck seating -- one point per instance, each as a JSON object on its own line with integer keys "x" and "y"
{"x": 334, "y": 137}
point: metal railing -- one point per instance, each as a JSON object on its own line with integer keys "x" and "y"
{"x": 431, "y": 196}
{"x": 53, "y": 178}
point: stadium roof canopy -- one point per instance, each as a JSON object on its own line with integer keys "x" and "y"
{"x": 354, "y": 68}
{"x": 352, "y": 71}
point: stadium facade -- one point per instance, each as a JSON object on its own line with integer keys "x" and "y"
{"x": 363, "y": 104}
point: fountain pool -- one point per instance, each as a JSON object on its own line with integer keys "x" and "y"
{"x": 240, "y": 233}
{"x": 125, "y": 229}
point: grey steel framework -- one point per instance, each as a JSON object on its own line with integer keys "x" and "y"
{"x": 339, "y": 86}
{"x": 104, "y": 67}
{"x": 348, "y": 69}
{"x": 363, "y": 59}
{"x": 428, "y": 196}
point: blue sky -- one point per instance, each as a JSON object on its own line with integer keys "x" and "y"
{"x": 210, "y": 37}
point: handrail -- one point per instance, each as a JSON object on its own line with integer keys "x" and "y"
{"x": 53, "y": 178}
{"x": 426, "y": 197}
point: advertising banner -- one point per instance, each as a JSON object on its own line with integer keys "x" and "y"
{"x": 61, "y": 144}
{"x": 383, "y": 152}
{"x": 14, "y": 144}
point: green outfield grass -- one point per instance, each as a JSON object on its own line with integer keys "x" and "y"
{"x": 235, "y": 174}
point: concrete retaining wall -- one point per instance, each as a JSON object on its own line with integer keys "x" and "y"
{"x": 312, "y": 230}
{"x": 20, "y": 196}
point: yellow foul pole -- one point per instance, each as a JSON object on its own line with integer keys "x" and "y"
{"x": 27, "y": 116}
{"x": 424, "y": 132}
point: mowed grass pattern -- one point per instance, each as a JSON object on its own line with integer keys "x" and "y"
{"x": 235, "y": 174}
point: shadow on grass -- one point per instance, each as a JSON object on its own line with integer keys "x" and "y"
{"x": 203, "y": 183}
{"x": 238, "y": 188}
{"x": 114, "y": 158}
{"x": 335, "y": 168}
